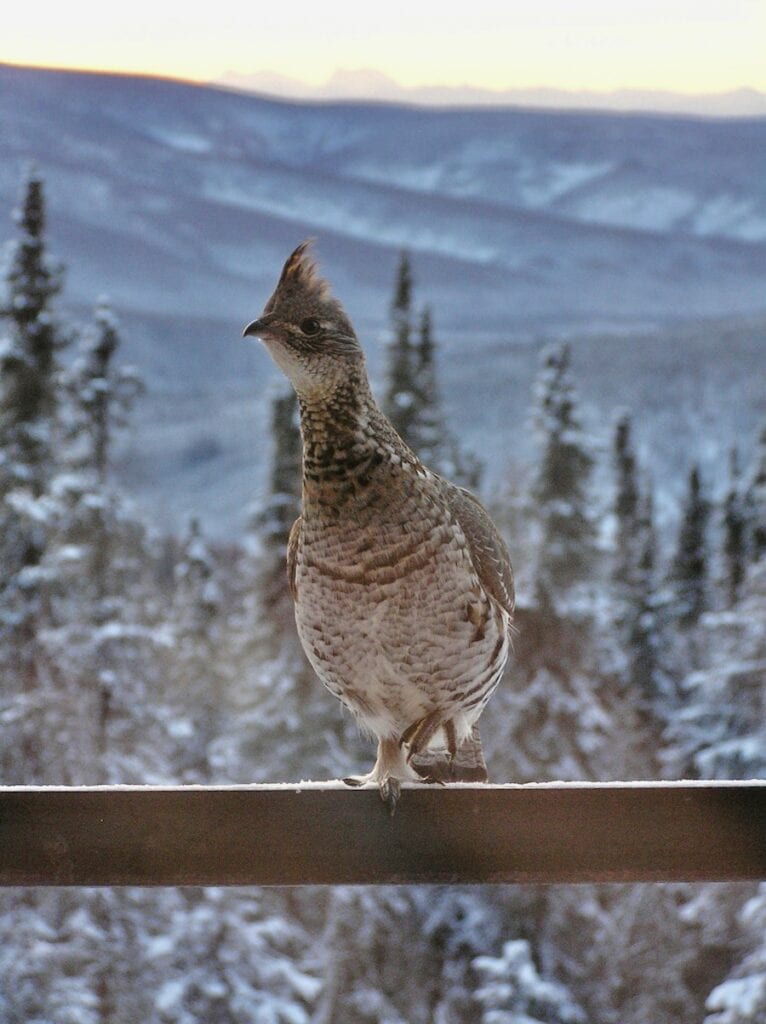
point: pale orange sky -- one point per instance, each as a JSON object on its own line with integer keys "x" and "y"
{"x": 682, "y": 45}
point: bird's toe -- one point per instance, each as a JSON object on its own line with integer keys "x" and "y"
{"x": 390, "y": 790}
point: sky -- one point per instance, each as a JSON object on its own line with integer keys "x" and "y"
{"x": 687, "y": 46}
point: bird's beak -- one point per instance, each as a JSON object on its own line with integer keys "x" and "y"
{"x": 255, "y": 328}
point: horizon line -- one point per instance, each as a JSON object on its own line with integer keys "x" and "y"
{"x": 314, "y": 92}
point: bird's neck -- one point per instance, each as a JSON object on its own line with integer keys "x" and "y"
{"x": 346, "y": 441}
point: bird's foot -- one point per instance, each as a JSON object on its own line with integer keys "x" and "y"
{"x": 389, "y": 787}
{"x": 388, "y": 772}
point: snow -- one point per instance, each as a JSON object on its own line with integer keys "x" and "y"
{"x": 185, "y": 142}
{"x": 739, "y": 998}
{"x": 161, "y": 636}
{"x": 170, "y": 994}
{"x": 660, "y": 208}
{"x": 732, "y": 216}
{"x": 8, "y": 347}
{"x": 306, "y": 785}
{"x": 40, "y": 510}
{"x": 541, "y": 186}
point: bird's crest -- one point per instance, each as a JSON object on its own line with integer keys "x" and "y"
{"x": 300, "y": 275}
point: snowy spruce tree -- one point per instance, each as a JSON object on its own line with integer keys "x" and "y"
{"x": 29, "y": 351}
{"x": 720, "y": 732}
{"x": 200, "y": 668}
{"x": 571, "y": 684}
{"x": 642, "y": 952}
{"x": 627, "y": 505}
{"x": 512, "y": 992}
{"x": 561, "y": 488}
{"x": 637, "y": 624}
{"x": 99, "y": 396}
{"x": 224, "y": 956}
{"x": 755, "y": 498}
{"x": 282, "y": 506}
{"x": 30, "y": 340}
{"x": 459, "y": 924}
{"x": 103, "y": 635}
{"x": 365, "y": 981}
{"x": 402, "y": 954}
{"x": 411, "y": 399}
{"x": 735, "y": 539}
{"x": 741, "y": 997}
{"x": 688, "y": 575}
{"x": 401, "y": 396}
{"x": 274, "y": 517}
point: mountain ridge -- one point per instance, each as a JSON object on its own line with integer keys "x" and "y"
{"x": 361, "y": 84}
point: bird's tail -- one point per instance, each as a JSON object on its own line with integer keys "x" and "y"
{"x": 467, "y": 765}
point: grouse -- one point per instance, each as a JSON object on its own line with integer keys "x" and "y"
{"x": 403, "y": 587}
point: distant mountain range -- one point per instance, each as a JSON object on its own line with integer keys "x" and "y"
{"x": 368, "y": 84}
{"x": 180, "y": 202}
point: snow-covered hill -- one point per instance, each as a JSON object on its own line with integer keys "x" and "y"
{"x": 180, "y": 202}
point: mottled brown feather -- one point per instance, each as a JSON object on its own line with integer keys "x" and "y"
{"x": 488, "y": 551}
{"x": 293, "y": 541}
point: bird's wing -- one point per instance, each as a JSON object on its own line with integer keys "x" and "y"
{"x": 292, "y": 555}
{"x": 488, "y": 551}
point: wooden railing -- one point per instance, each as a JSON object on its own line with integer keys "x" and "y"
{"x": 324, "y": 833}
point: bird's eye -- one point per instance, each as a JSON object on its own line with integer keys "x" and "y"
{"x": 310, "y": 325}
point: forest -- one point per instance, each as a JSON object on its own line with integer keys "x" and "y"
{"x": 134, "y": 655}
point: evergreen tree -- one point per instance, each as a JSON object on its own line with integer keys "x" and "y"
{"x": 735, "y": 532}
{"x": 511, "y": 990}
{"x": 411, "y": 400}
{"x": 283, "y": 503}
{"x": 459, "y": 925}
{"x": 437, "y": 446}
{"x": 626, "y": 507}
{"x": 721, "y": 733}
{"x": 100, "y": 396}
{"x": 637, "y": 623}
{"x": 199, "y": 665}
{"x": 361, "y": 986}
{"x": 224, "y": 958}
{"x": 636, "y": 951}
{"x": 644, "y": 634}
{"x": 28, "y": 448}
{"x": 741, "y": 997}
{"x": 756, "y": 499}
{"x": 401, "y": 400}
{"x": 28, "y": 358}
{"x": 561, "y": 489}
{"x": 688, "y": 577}
{"x": 198, "y": 593}
{"x": 427, "y": 431}
{"x": 397, "y": 955}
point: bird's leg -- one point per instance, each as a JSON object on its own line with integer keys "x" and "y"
{"x": 451, "y": 738}
{"x": 417, "y": 736}
{"x": 389, "y": 770}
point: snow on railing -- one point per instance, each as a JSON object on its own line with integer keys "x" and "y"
{"x": 324, "y": 833}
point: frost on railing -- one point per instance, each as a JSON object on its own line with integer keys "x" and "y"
{"x": 325, "y": 833}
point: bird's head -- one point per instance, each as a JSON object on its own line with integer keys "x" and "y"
{"x": 306, "y": 330}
